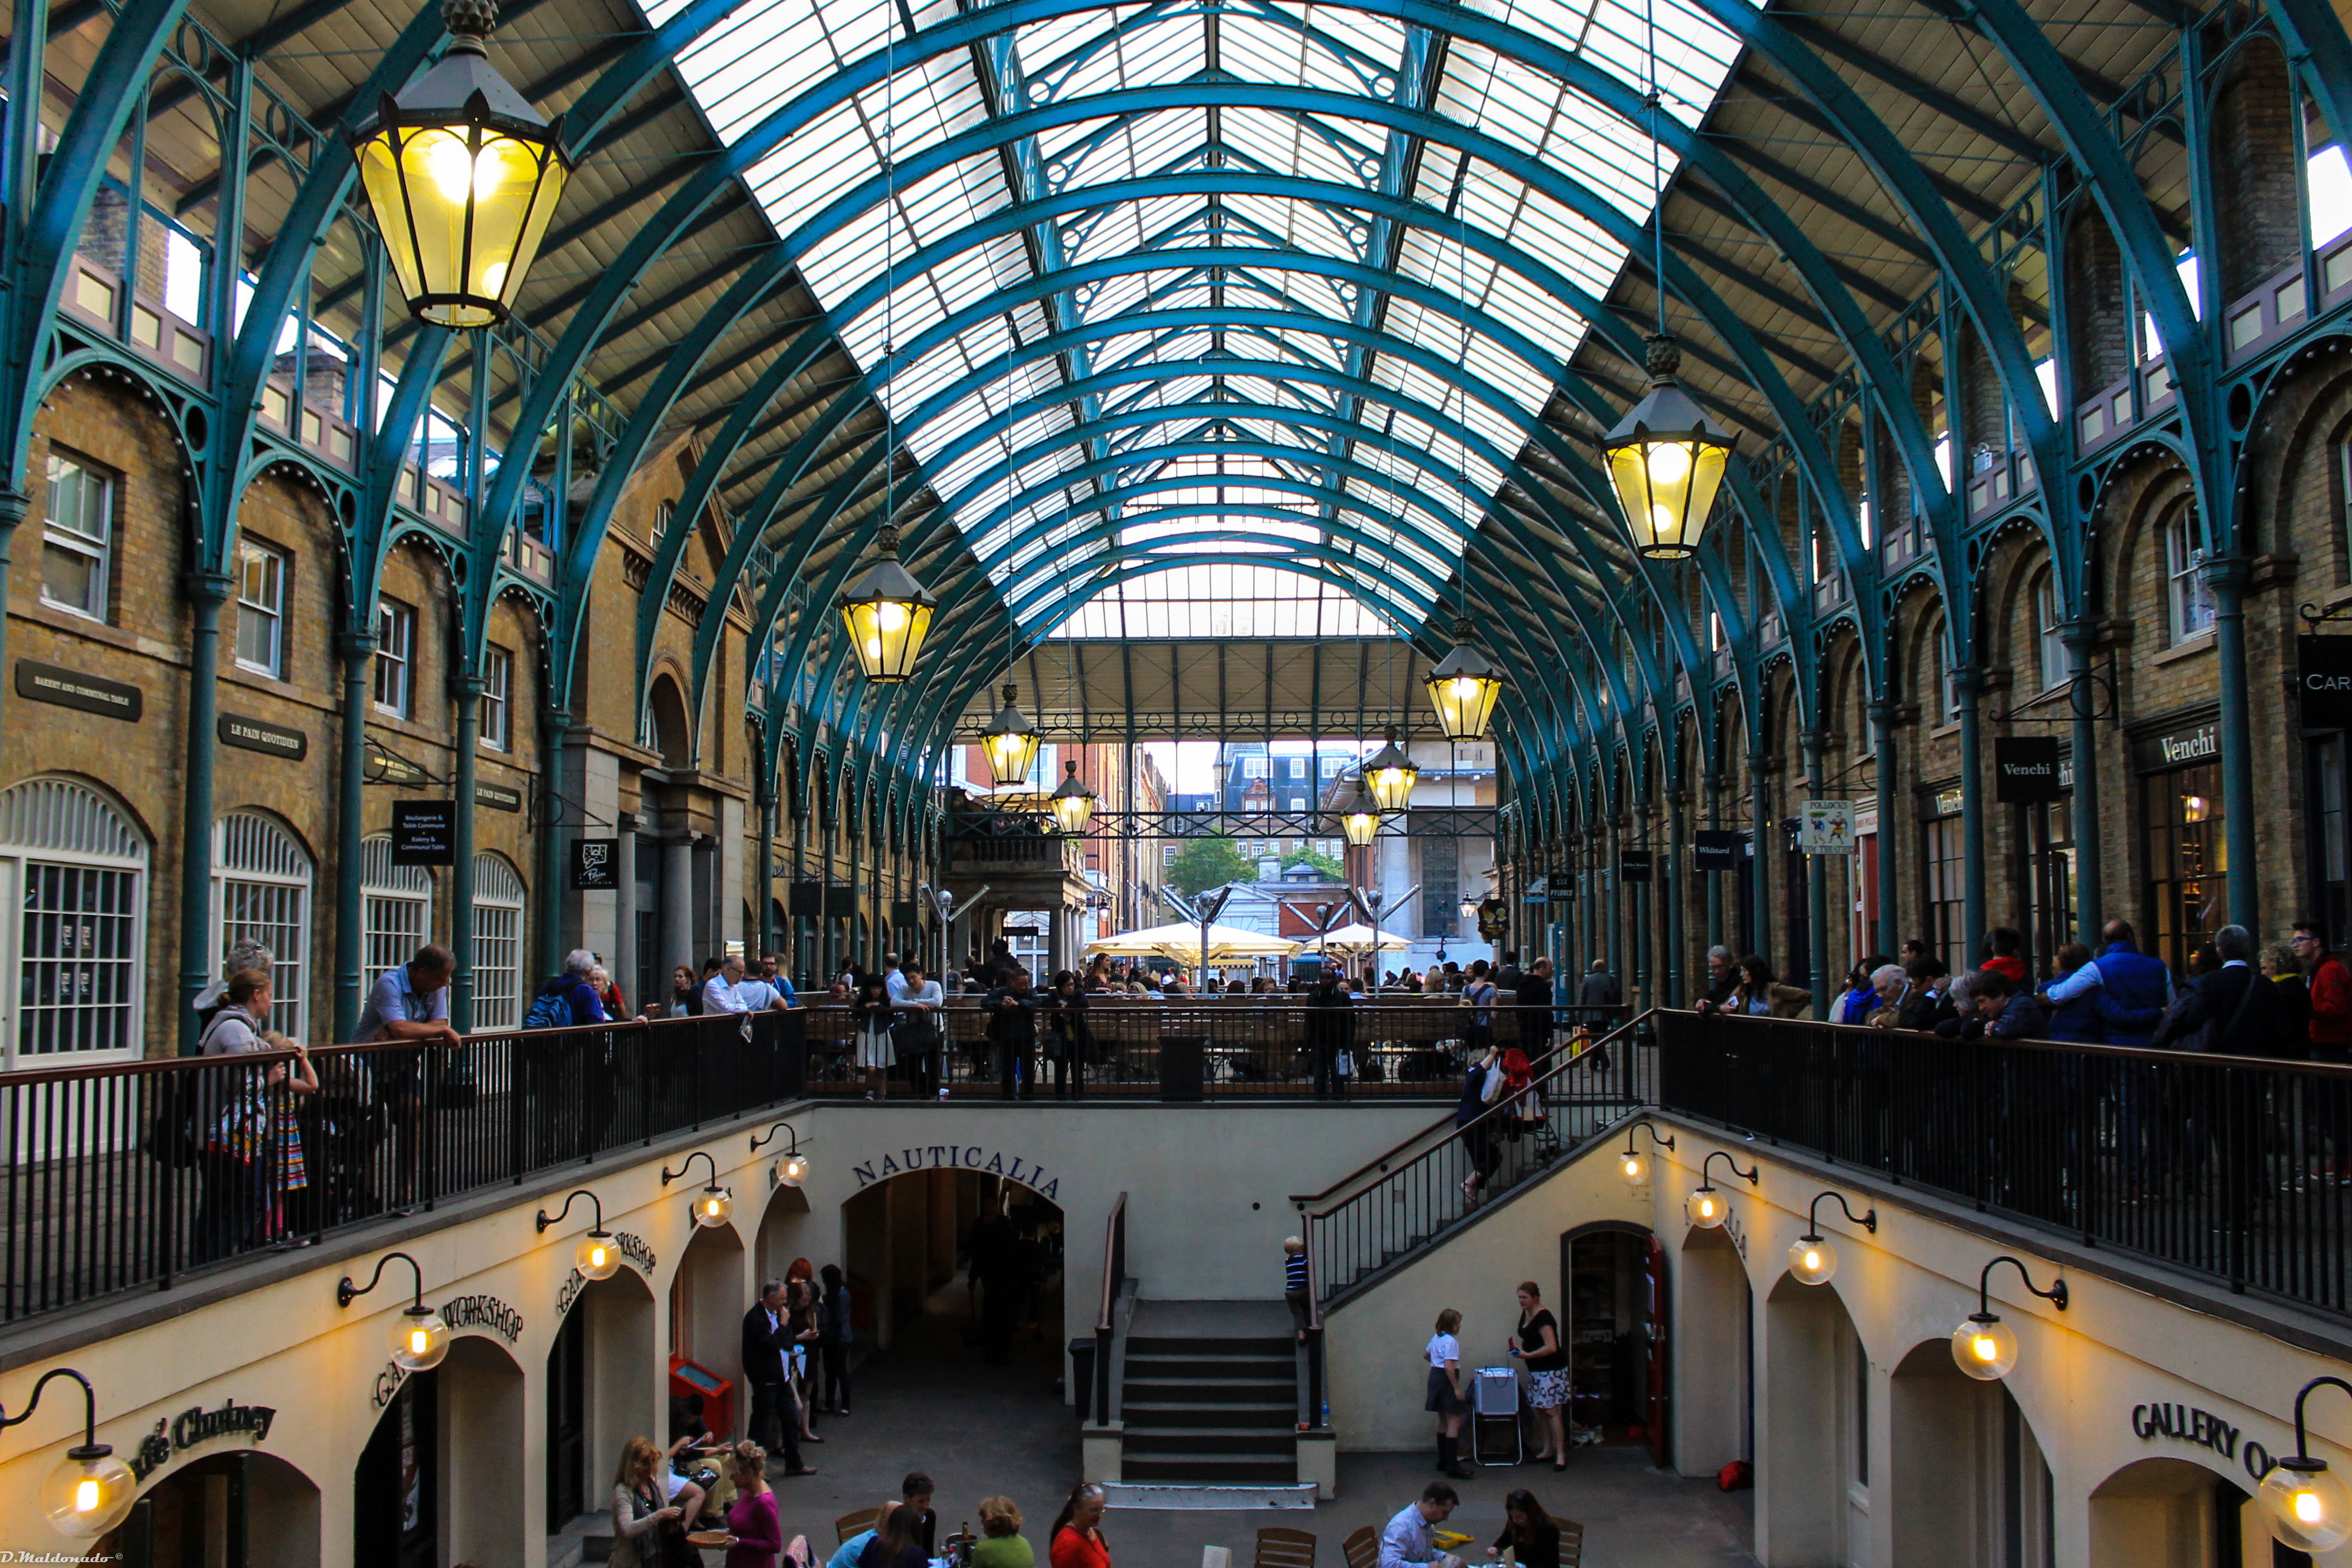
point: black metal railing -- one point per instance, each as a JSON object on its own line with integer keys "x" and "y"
{"x": 1114, "y": 1277}
{"x": 127, "y": 1175}
{"x": 1377, "y": 1216}
{"x": 2237, "y": 1168}
{"x": 1213, "y": 1048}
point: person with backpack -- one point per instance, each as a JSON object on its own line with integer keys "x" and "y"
{"x": 248, "y": 1139}
{"x": 569, "y": 999}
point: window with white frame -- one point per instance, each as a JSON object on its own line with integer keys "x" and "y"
{"x": 395, "y": 657}
{"x": 78, "y": 537}
{"x": 395, "y": 909}
{"x": 76, "y": 869}
{"x": 662, "y": 516}
{"x": 1329, "y": 767}
{"x": 2049, "y": 645}
{"x": 260, "y": 609}
{"x": 261, "y": 893}
{"x": 497, "y": 698}
{"x": 2188, "y": 597}
{"x": 1252, "y": 766}
{"x": 498, "y": 944}
{"x": 1941, "y": 680}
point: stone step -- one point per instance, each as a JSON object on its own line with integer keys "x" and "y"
{"x": 1273, "y": 1441}
{"x": 1207, "y": 1466}
{"x": 1186, "y": 1412}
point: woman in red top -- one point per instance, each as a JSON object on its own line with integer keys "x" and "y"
{"x": 1078, "y": 1541}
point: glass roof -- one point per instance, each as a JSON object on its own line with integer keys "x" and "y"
{"x": 1264, "y": 300}
{"x": 1221, "y": 601}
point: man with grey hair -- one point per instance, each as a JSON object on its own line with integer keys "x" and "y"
{"x": 569, "y": 999}
{"x": 775, "y": 1419}
{"x": 1891, "y": 985}
{"x": 1722, "y": 979}
{"x": 2236, "y": 1008}
{"x": 244, "y": 954}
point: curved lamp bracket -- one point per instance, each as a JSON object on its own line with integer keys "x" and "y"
{"x": 544, "y": 1220}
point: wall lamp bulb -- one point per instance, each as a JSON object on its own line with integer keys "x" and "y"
{"x": 716, "y": 1205}
{"x": 1635, "y": 1166}
{"x": 2307, "y": 1507}
{"x": 90, "y": 1491}
{"x": 1812, "y": 1258}
{"x": 596, "y": 1256}
{"x": 1983, "y": 1345}
{"x": 422, "y": 1338}
{"x": 1704, "y": 1206}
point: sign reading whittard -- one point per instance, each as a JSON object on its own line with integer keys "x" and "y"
{"x": 950, "y": 1156}
{"x": 69, "y": 689}
{"x": 271, "y": 739}
{"x": 197, "y": 1424}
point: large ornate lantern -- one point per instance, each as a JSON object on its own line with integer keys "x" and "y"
{"x": 1011, "y": 742}
{"x": 1359, "y": 817}
{"x": 1073, "y": 804}
{"x": 1463, "y": 687}
{"x": 888, "y": 614}
{"x": 1390, "y": 773}
{"x": 1665, "y": 462}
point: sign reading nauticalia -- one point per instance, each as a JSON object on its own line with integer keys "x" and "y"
{"x": 951, "y": 1156}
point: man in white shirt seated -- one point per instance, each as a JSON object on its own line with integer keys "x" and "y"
{"x": 729, "y": 991}
{"x": 1405, "y": 1543}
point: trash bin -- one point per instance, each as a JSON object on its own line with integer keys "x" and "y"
{"x": 1182, "y": 1062}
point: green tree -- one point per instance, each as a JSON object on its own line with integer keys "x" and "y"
{"x": 1206, "y": 863}
{"x": 1330, "y": 869}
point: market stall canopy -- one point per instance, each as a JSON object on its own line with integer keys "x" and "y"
{"x": 1182, "y": 942}
{"x": 1359, "y": 937}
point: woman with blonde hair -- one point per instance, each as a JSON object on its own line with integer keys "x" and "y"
{"x": 756, "y": 1535}
{"x": 638, "y": 1512}
{"x": 1002, "y": 1544}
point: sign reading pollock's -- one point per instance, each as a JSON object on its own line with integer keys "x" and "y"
{"x": 952, "y": 1156}
{"x": 197, "y": 1424}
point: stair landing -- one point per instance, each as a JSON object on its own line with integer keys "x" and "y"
{"x": 1210, "y": 1395}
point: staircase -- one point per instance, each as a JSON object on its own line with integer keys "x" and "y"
{"x": 1210, "y": 1395}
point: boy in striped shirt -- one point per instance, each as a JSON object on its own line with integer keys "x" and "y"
{"x": 1294, "y": 1283}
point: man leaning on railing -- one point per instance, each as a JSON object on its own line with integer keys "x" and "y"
{"x": 409, "y": 1005}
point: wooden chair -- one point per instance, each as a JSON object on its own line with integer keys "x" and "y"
{"x": 1279, "y": 1546}
{"x": 1571, "y": 1542}
{"x": 850, "y": 1524}
{"x": 1362, "y": 1548}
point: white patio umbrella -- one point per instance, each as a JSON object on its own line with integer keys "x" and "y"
{"x": 1359, "y": 938}
{"x": 1182, "y": 944}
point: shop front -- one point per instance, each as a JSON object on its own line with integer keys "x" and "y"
{"x": 2184, "y": 857}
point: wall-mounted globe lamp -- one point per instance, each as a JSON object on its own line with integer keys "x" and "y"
{"x": 90, "y": 1491}
{"x": 462, "y": 176}
{"x": 714, "y": 1204}
{"x": 1464, "y": 687}
{"x": 1631, "y": 1163}
{"x": 887, "y": 614}
{"x": 2305, "y": 1507}
{"x": 1011, "y": 742}
{"x": 1390, "y": 773}
{"x": 1982, "y": 1344}
{"x": 419, "y": 1338}
{"x": 1665, "y": 462}
{"x": 1073, "y": 803}
{"x": 791, "y": 1167}
{"x": 1359, "y": 817}
{"x": 1706, "y": 1206}
{"x": 597, "y": 1257}
{"x": 1812, "y": 1258}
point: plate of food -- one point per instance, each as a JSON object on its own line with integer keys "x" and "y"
{"x": 710, "y": 1538}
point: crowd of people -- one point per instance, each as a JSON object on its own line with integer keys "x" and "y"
{"x": 2289, "y": 1000}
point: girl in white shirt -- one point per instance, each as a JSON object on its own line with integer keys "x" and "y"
{"x": 1444, "y": 1353}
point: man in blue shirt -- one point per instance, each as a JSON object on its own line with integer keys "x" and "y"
{"x": 2134, "y": 984}
{"x": 1405, "y": 1543}
{"x": 729, "y": 991}
{"x": 409, "y": 1006}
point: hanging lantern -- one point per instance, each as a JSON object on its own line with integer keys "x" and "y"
{"x": 1359, "y": 817}
{"x": 1011, "y": 742}
{"x": 888, "y": 614}
{"x": 1073, "y": 803}
{"x": 462, "y": 176}
{"x": 1665, "y": 462}
{"x": 1464, "y": 687}
{"x": 1390, "y": 774}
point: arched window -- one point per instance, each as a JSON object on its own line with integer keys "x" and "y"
{"x": 395, "y": 909}
{"x": 498, "y": 944}
{"x": 2049, "y": 647}
{"x": 2187, "y": 598}
{"x": 76, "y": 869}
{"x": 261, "y": 893}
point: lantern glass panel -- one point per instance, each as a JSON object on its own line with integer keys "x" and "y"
{"x": 463, "y": 210}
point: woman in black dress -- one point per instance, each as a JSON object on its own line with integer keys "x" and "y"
{"x": 1529, "y": 1533}
{"x": 1538, "y": 1345}
{"x": 1070, "y": 1041}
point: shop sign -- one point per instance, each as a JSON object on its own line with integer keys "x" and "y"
{"x": 2200, "y": 1429}
{"x": 423, "y": 832}
{"x": 270, "y": 739}
{"x": 805, "y": 899}
{"x": 949, "y": 1156}
{"x": 497, "y": 796}
{"x": 2324, "y": 681}
{"x": 1633, "y": 865}
{"x": 2025, "y": 769}
{"x": 486, "y": 1313}
{"x": 841, "y": 900}
{"x": 1538, "y": 890}
{"x": 595, "y": 865}
{"x": 383, "y": 768}
{"x": 197, "y": 1424}
{"x": 1826, "y": 827}
{"x": 1948, "y": 802}
{"x": 69, "y": 688}
{"x": 2182, "y": 749}
{"x": 1716, "y": 848}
